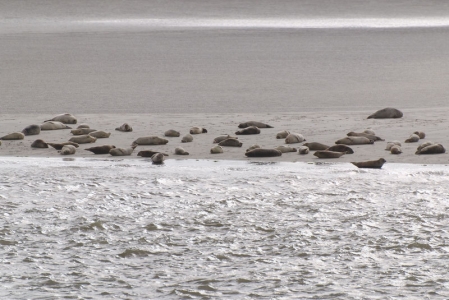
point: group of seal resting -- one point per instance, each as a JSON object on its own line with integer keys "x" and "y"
{"x": 84, "y": 134}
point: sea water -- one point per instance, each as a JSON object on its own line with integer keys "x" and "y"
{"x": 198, "y": 229}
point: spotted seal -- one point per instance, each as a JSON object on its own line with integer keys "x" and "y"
{"x": 172, "y": 133}
{"x": 432, "y": 149}
{"x": 248, "y": 130}
{"x": 197, "y": 130}
{"x": 125, "y": 127}
{"x": 341, "y": 148}
{"x": 216, "y": 149}
{"x": 58, "y": 146}
{"x": 254, "y": 123}
{"x": 286, "y": 149}
{"x": 122, "y": 151}
{"x": 100, "y": 134}
{"x": 150, "y": 140}
{"x": 372, "y": 164}
{"x": 13, "y": 136}
{"x": 64, "y": 118}
{"x": 262, "y": 152}
{"x": 82, "y": 131}
{"x": 39, "y": 144}
{"x": 54, "y": 125}
{"x": 67, "y": 150}
{"x": 386, "y": 113}
{"x": 328, "y": 154}
{"x": 230, "y": 143}
{"x": 158, "y": 158}
{"x": 181, "y": 151}
{"x": 293, "y": 138}
{"x": 314, "y": 146}
{"x": 32, "y": 130}
{"x": 354, "y": 140}
{"x": 83, "y": 139}
{"x": 149, "y": 153}
{"x": 104, "y": 149}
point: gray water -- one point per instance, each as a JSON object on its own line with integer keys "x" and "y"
{"x": 126, "y": 229}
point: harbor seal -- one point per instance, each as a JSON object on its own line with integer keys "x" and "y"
{"x": 223, "y": 137}
{"x": 216, "y": 149}
{"x": 39, "y": 144}
{"x": 82, "y": 131}
{"x": 83, "y": 126}
{"x": 354, "y": 140}
{"x": 370, "y": 136}
{"x": 13, "y": 136}
{"x": 328, "y": 154}
{"x": 125, "y": 127}
{"x": 150, "y": 140}
{"x": 261, "y": 152}
{"x": 230, "y": 143}
{"x": 420, "y": 134}
{"x": 64, "y": 118}
{"x": 293, "y": 138}
{"x": 83, "y": 139}
{"x": 149, "y": 153}
{"x": 252, "y": 147}
{"x": 248, "y": 130}
{"x": 314, "y": 146}
{"x": 386, "y": 113}
{"x": 181, "y": 151}
{"x": 187, "y": 138}
{"x": 100, "y": 134}
{"x": 58, "y": 146}
{"x": 285, "y": 149}
{"x": 104, "y": 149}
{"x": 158, "y": 158}
{"x": 254, "y": 123}
{"x": 391, "y": 144}
{"x": 32, "y": 130}
{"x": 341, "y": 148}
{"x": 424, "y": 145}
{"x": 369, "y": 131}
{"x": 371, "y": 164}
{"x": 396, "y": 149}
{"x": 432, "y": 149}
{"x": 303, "y": 150}
{"x": 197, "y": 130}
{"x": 67, "y": 150}
{"x": 172, "y": 133}
{"x": 54, "y": 125}
{"x": 412, "y": 138}
{"x": 122, "y": 151}
{"x": 282, "y": 134}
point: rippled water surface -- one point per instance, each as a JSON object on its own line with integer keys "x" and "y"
{"x": 127, "y": 229}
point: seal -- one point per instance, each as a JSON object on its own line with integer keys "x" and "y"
{"x": 39, "y": 144}
{"x": 197, "y": 130}
{"x": 420, "y": 134}
{"x": 285, "y": 149}
{"x": 104, "y": 149}
{"x": 386, "y": 113}
{"x": 54, "y": 125}
{"x": 423, "y": 145}
{"x": 369, "y": 131}
{"x": 67, "y": 150}
{"x": 58, "y": 146}
{"x": 303, "y": 150}
{"x": 122, "y": 151}
{"x": 82, "y": 131}
{"x": 371, "y": 164}
{"x": 216, "y": 149}
{"x": 32, "y": 130}
{"x": 396, "y": 149}
{"x": 254, "y": 123}
{"x": 391, "y": 144}
{"x": 64, "y": 118}
{"x": 370, "y": 136}
{"x": 282, "y": 134}
{"x": 248, "y": 130}
{"x": 230, "y": 143}
{"x": 13, "y": 136}
{"x": 412, "y": 138}
{"x": 172, "y": 133}
{"x": 314, "y": 146}
{"x": 328, "y": 154}
{"x": 261, "y": 152}
{"x": 252, "y": 147}
{"x": 432, "y": 149}
{"x": 181, "y": 151}
{"x": 150, "y": 140}
{"x": 83, "y": 139}
{"x": 100, "y": 134}
{"x": 83, "y": 126}
{"x": 341, "y": 148}
{"x": 158, "y": 158}
{"x": 149, "y": 153}
{"x": 354, "y": 140}
{"x": 293, "y": 138}
{"x": 222, "y": 138}
{"x": 124, "y": 128}
{"x": 187, "y": 138}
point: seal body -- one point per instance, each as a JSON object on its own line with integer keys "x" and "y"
{"x": 83, "y": 126}
{"x": 424, "y": 145}
{"x": 432, "y": 149}
{"x": 371, "y": 164}
{"x": 341, "y": 148}
{"x": 197, "y": 130}
{"x": 222, "y": 138}
{"x": 125, "y": 127}
{"x": 216, "y": 149}
{"x": 293, "y": 138}
{"x": 420, "y": 134}
{"x": 83, "y": 139}
{"x": 67, "y": 150}
{"x": 181, "y": 151}
{"x": 39, "y": 144}
{"x": 157, "y": 158}
{"x": 248, "y": 130}
{"x": 369, "y": 131}
{"x": 64, "y": 118}
{"x": 286, "y": 149}
{"x": 354, "y": 140}
{"x": 122, "y": 151}
{"x": 314, "y": 146}
{"x": 58, "y": 146}
{"x": 54, "y": 125}
{"x": 100, "y": 134}
{"x": 328, "y": 154}
{"x": 396, "y": 149}
{"x": 386, "y": 113}
{"x": 172, "y": 133}
{"x": 254, "y": 123}
{"x": 230, "y": 143}
{"x": 282, "y": 134}
{"x": 104, "y": 149}
{"x": 150, "y": 140}
{"x": 187, "y": 138}
{"x": 412, "y": 139}
{"x": 32, "y": 130}
{"x": 370, "y": 136}
{"x": 391, "y": 144}
{"x": 261, "y": 152}
{"x": 303, "y": 150}
{"x": 148, "y": 153}
{"x": 81, "y": 131}
{"x": 13, "y": 136}
{"x": 252, "y": 147}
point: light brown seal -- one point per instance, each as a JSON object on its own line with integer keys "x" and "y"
{"x": 83, "y": 126}
{"x": 230, "y": 143}
{"x": 282, "y": 134}
{"x": 197, "y": 130}
{"x": 125, "y": 127}
{"x": 187, "y": 138}
{"x": 391, "y": 144}
{"x": 396, "y": 149}
{"x": 58, "y": 146}
{"x": 412, "y": 138}
{"x": 386, "y": 113}
{"x": 181, "y": 151}
{"x": 314, "y": 146}
{"x": 252, "y": 147}
{"x": 424, "y": 145}
{"x": 83, "y": 139}
{"x": 13, "y": 136}
{"x": 370, "y": 136}
{"x": 122, "y": 151}
{"x": 104, "y": 149}
{"x": 303, "y": 150}
{"x": 248, "y": 130}
{"x": 371, "y": 164}
{"x": 64, "y": 118}
{"x": 254, "y": 123}
{"x": 420, "y": 134}
{"x": 158, "y": 158}
{"x": 216, "y": 149}
{"x": 54, "y": 125}
{"x": 222, "y": 138}
{"x": 150, "y": 140}
{"x": 261, "y": 152}
{"x": 432, "y": 149}
{"x": 328, "y": 154}
{"x": 39, "y": 144}
{"x": 341, "y": 148}
{"x": 172, "y": 133}
{"x": 81, "y": 131}
{"x": 67, "y": 150}
{"x": 293, "y": 138}
{"x": 354, "y": 140}
{"x": 32, "y": 130}
{"x": 100, "y": 134}
{"x": 285, "y": 149}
